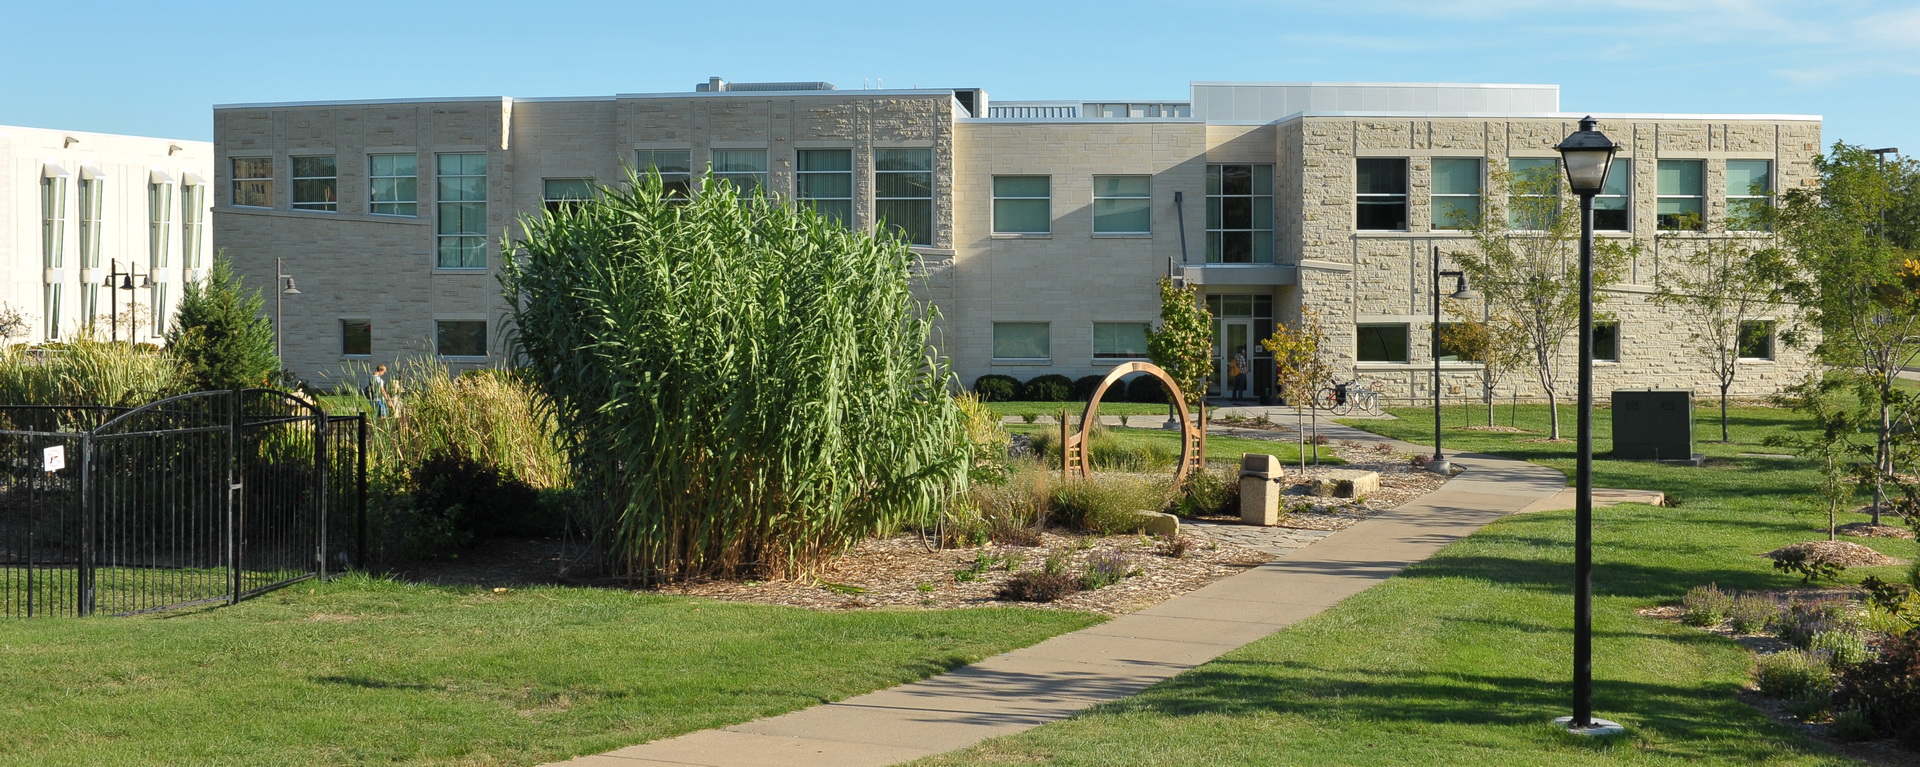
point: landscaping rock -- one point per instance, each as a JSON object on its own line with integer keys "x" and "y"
{"x": 1345, "y": 483}
{"x": 1163, "y": 525}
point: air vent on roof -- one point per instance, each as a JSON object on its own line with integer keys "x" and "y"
{"x": 717, "y": 85}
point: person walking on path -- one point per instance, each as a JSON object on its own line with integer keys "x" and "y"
{"x": 377, "y": 391}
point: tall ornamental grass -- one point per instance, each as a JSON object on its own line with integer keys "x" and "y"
{"x": 743, "y": 386}
{"x": 89, "y": 372}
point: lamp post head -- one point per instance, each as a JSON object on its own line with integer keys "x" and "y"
{"x": 1462, "y": 291}
{"x": 290, "y": 289}
{"x": 126, "y": 281}
{"x": 1587, "y": 155}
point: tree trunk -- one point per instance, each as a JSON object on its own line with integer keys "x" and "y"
{"x": 1488, "y": 390}
{"x": 1724, "y": 386}
{"x": 1882, "y": 459}
{"x": 1553, "y": 413}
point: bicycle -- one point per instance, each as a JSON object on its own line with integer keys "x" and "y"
{"x": 1342, "y": 397}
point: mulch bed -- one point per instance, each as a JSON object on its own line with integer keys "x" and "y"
{"x": 1842, "y": 553}
{"x": 1871, "y": 530}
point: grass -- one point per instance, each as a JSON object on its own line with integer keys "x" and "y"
{"x": 364, "y": 671}
{"x": 1465, "y": 657}
{"x": 1219, "y": 448}
{"x": 1108, "y": 407}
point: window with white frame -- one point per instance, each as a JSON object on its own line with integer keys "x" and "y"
{"x": 1456, "y": 192}
{"x": 1606, "y": 341}
{"x": 745, "y": 169}
{"x": 903, "y": 192}
{"x": 1120, "y": 340}
{"x": 1122, "y": 204}
{"x": 53, "y": 311}
{"x": 1756, "y": 340}
{"x": 1533, "y": 195}
{"x": 1239, "y": 214}
{"x": 316, "y": 180}
{"x": 1749, "y": 194}
{"x": 158, "y": 303}
{"x": 92, "y": 199}
{"x": 823, "y": 181}
{"x": 253, "y": 182}
{"x": 1680, "y": 185}
{"x": 90, "y": 304}
{"x": 193, "y": 216}
{"x": 393, "y": 184}
{"x": 1022, "y": 341}
{"x": 565, "y": 193}
{"x": 1381, "y": 343}
{"x": 1380, "y": 194}
{"x": 1022, "y": 204}
{"x": 356, "y": 338}
{"x": 1613, "y": 206}
{"x": 160, "y": 223}
{"x": 460, "y": 191}
{"x": 460, "y": 338}
{"x": 53, "y": 220}
{"x": 674, "y": 166}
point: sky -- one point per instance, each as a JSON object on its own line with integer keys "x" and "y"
{"x": 157, "y": 69}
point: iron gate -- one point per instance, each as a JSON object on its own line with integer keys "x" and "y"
{"x": 208, "y": 497}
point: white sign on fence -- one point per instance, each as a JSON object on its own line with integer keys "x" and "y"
{"x": 54, "y": 458}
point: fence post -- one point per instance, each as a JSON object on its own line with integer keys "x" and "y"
{"x": 89, "y": 519}
{"x": 360, "y": 514}
{"x": 323, "y": 490}
{"x": 236, "y": 497}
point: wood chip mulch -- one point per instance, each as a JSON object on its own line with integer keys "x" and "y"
{"x": 1871, "y": 530}
{"x": 1842, "y": 553}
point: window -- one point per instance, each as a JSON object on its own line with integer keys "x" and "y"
{"x": 673, "y": 165}
{"x": 1021, "y": 341}
{"x": 53, "y": 311}
{"x": 393, "y": 182}
{"x": 1239, "y": 214}
{"x": 193, "y": 218}
{"x": 565, "y": 193}
{"x": 1606, "y": 341}
{"x": 1679, "y": 187}
{"x": 1381, "y": 343}
{"x": 1122, "y": 205}
{"x": 158, "y": 306}
{"x": 745, "y": 169}
{"x": 92, "y": 196}
{"x": 461, "y": 192}
{"x": 314, "y": 181}
{"x": 356, "y": 338}
{"x": 53, "y": 221}
{"x": 461, "y": 338}
{"x": 90, "y": 303}
{"x": 1380, "y": 185}
{"x": 903, "y": 192}
{"x": 160, "y": 225}
{"x": 253, "y": 181}
{"x": 1756, "y": 340}
{"x": 1120, "y": 340}
{"x": 1533, "y": 203}
{"x": 1749, "y": 194}
{"x": 1022, "y": 205}
{"x": 1612, "y": 207}
{"x": 823, "y": 181}
{"x": 1456, "y": 192}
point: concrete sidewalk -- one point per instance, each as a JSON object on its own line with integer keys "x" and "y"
{"x": 1059, "y": 677}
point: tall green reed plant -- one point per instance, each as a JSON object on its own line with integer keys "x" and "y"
{"x": 744, "y": 386}
{"x": 89, "y": 372}
{"x": 493, "y": 418}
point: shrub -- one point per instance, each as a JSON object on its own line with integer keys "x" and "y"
{"x": 1841, "y": 648}
{"x": 1175, "y": 546}
{"x": 1147, "y": 389}
{"x": 1852, "y": 723}
{"x": 1803, "y": 619}
{"x": 1793, "y": 674}
{"x": 1037, "y": 586}
{"x": 478, "y": 498}
{"x": 89, "y": 372}
{"x": 1886, "y": 688}
{"x": 1084, "y": 386}
{"x": 1209, "y": 492}
{"x": 220, "y": 335}
{"x": 1109, "y": 453}
{"x": 1105, "y": 505}
{"x": 1051, "y": 387}
{"x": 986, "y": 440}
{"x": 1106, "y": 568}
{"x": 1751, "y": 613}
{"x": 1013, "y": 511}
{"x": 994, "y": 387}
{"x": 1705, "y": 606}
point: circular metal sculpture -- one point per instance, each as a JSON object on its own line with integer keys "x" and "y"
{"x": 1074, "y": 459}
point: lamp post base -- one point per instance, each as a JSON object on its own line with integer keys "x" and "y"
{"x": 1599, "y": 727}
{"x": 1441, "y": 467}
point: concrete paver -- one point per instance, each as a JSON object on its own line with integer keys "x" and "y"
{"x": 1053, "y": 680}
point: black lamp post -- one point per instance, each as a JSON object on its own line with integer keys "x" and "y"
{"x": 1587, "y": 155}
{"x": 1439, "y": 463}
{"x": 119, "y": 280}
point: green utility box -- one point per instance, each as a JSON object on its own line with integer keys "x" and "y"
{"x": 1653, "y": 425}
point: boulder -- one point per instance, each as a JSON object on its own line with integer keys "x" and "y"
{"x": 1346, "y": 483}
{"x": 1160, "y": 524}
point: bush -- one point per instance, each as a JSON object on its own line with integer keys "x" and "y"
{"x": 1886, "y": 688}
{"x": 1147, "y": 389}
{"x": 1751, "y": 613}
{"x": 986, "y": 441}
{"x": 994, "y": 387}
{"x": 1109, "y": 453}
{"x": 1803, "y": 619}
{"x": 1051, "y": 387}
{"x": 1794, "y": 674}
{"x": 479, "y": 499}
{"x": 1013, "y": 511}
{"x": 1105, "y": 505}
{"x": 1705, "y": 606}
{"x": 1037, "y": 586}
{"x": 220, "y": 335}
{"x": 1840, "y": 647}
{"x": 1084, "y": 386}
{"x": 1106, "y": 568}
{"x": 89, "y": 372}
{"x": 1208, "y": 492}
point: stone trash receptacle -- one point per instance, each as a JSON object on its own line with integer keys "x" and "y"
{"x": 1261, "y": 482}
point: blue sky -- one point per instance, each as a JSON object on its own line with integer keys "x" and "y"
{"x": 157, "y": 68}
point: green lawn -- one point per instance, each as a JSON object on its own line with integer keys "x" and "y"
{"x": 1465, "y": 657}
{"x": 1219, "y": 448}
{"x": 362, "y": 671}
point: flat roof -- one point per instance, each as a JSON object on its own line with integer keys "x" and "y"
{"x": 614, "y": 97}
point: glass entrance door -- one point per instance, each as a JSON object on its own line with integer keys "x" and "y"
{"x": 1239, "y": 323}
{"x": 1234, "y": 337}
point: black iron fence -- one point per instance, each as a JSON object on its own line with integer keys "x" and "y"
{"x": 202, "y": 498}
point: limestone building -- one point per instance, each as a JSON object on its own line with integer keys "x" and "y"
{"x": 1043, "y": 225}
{"x": 78, "y": 208}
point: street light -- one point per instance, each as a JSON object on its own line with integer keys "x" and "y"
{"x": 119, "y": 280}
{"x": 1439, "y": 463}
{"x": 283, "y": 286}
{"x": 1882, "y": 153}
{"x": 1587, "y": 155}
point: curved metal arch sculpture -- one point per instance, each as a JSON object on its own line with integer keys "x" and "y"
{"x": 1074, "y": 460}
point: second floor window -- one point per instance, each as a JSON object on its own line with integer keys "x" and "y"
{"x": 1239, "y": 214}
{"x": 53, "y": 221}
{"x": 1380, "y": 194}
{"x": 1456, "y": 192}
{"x": 461, "y": 193}
{"x": 1749, "y": 194}
{"x": 253, "y": 182}
{"x": 565, "y": 193}
{"x": 315, "y": 183}
{"x": 673, "y": 166}
{"x": 193, "y": 217}
{"x": 1533, "y": 196}
{"x": 823, "y": 181}
{"x": 393, "y": 184}
{"x": 1122, "y": 205}
{"x": 160, "y": 227}
{"x": 1679, "y": 185}
{"x": 745, "y": 169}
{"x": 903, "y": 192}
{"x": 92, "y": 198}
{"x": 1612, "y": 207}
{"x": 1022, "y": 204}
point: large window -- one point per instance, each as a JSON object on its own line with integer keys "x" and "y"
{"x": 1613, "y": 206}
{"x": 1680, "y": 185}
{"x": 1606, "y": 341}
{"x": 157, "y": 303}
{"x": 253, "y": 181}
{"x": 160, "y": 223}
{"x": 1120, "y": 340}
{"x": 903, "y": 192}
{"x": 1021, "y": 341}
{"x": 460, "y": 338}
{"x": 393, "y": 184}
{"x": 823, "y": 181}
{"x": 565, "y": 193}
{"x": 461, "y": 192}
{"x": 92, "y": 198}
{"x": 315, "y": 181}
{"x": 356, "y": 338}
{"x": 674, "y": 166}
{"x": 53, "y": 221}
{"x": 1122, "y": 205}
{"x": 745, "y": 169}
{"x": 90, "y": 304}
{"x": 1533, "y": 201}
{"x": 1749, "y": 194}
{"x": 1239, "y": 214}
{"x": 193, "y": 218}
{"x": 1456, "y": 192}
{"x": 1381, "y": 343}
{"x": 1380, "y": 194}
{"x": 1022, "y": 205}
{"x": 53, "y": 311}
{"x": 1756, "y": 340}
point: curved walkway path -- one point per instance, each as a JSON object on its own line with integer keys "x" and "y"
{"x": 1057, "y": 678}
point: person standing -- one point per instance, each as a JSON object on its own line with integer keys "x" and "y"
{"x": 1237, "y": 375}
{"x": 377, "y": 391}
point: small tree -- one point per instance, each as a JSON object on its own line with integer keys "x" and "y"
{"x": 13, "y": 323}
{"x": 1721, "y": 286}
{"x": 1183, "y": 344}
{"x": 1300, "y": 361}
{"x": 1831, "y": 444}
{"x": 221, "y": 337}
{"x": 1496, "y": 345}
